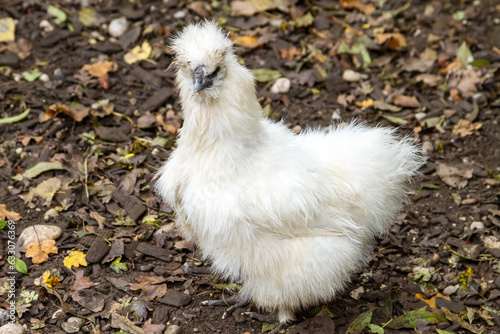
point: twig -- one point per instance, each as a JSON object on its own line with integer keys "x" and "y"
{"x": 347, "y": 26}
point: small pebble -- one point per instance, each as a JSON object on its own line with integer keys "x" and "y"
{"x": 118, "y": 26}
{"x": 44, "y": 77}
{"x": 296, "y": 129}
{"x": 51, "y": 213}
{"x": 174, "y": 329}
{"x": 353, "y": 76}
{"x": 46, "y": 26}
{"x": 19, "y": 150}
{"x": 469, "y": 201}
{"x": 477, "y": 226}
{"x": 427, "y": 148}
{"x": 435, "y": 259}
{"x": 179, "y": 15}
{"x": 356, "y": 293}
{"x": 449, "y": 290}
{"x": 281, "y": 86}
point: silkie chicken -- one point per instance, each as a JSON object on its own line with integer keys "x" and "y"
{"x": 292, "y": 216}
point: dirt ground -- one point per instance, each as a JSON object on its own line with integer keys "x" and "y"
{"x": 104, "y": 112}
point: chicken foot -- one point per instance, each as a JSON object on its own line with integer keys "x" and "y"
{"x": 234, "y": 301}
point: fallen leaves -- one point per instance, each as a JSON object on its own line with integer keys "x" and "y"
{"x": 75, "y": 110}
{"x": 465, "y": 128}
{"x": 266, "y": 75}
{"x": 38, "y": 169}
{"x": 9, "y": 215}
{"x": 250, "y": 7}
{"x": 39, "y": 251}
{"x": 45, "y": 190}
{"x": 410, "y": 319}
{"x": 356, "y": 4}
{"x": 150, "y": 286}
{"x": 100, "y": 69}
{"x": 7, "y": 29}
{"x": 75, "y": 259}
{"x": 396, "y": 41}
{"x": 453, "y": 176}
{"x": 138, "y": 53}
{"x": 406, "y": 101}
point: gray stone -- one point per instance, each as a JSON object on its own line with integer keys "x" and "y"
{"x": 449, "y": 290}
{"x": 40, "y": 233}
{"x": 12, "y": 329}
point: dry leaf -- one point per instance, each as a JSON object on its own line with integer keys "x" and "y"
{"x": 99, "y": 69}
{"x": 39, "y": 251}
{"x": 289, "y": 54}
{"x": 250, "y": 7}
{"x": 355, "y": 4}
{"x": 81, "y": 282}
{"x": 9, "y": 215}
{"x": 396, "y": 40}
{"x": 151, "y": 328}
{"x": 251, "y": 42}
{"x": 453, "y": 176}
{"x": 466, "y": 128}
{"x": 25, "y": 140}
{"x": 431, "y": 302}
{"x": 75, "y": 111}
{"x": 405, "y": 101}
{"x": 46, "y": 190}
{"x": 150, "y": 286}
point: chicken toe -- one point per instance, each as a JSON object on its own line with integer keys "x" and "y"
{"x": 235, "y": 302}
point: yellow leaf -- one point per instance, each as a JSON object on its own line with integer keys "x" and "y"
{"x": 50, "y": 278}
{"x": 365, "y": 103}
{"x": 247, "y": 41}
{"x": 99, "y": 69}
{"x": 138, "y": 53}
{"x": 75, "y": 259}
{"x": 87, "y": 16}
{"x": 39, "y": 251}
{"x": 7, "y": 29}
{"x": 431, "y": 302}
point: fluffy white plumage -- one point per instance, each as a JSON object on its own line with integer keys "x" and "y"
{"x": 292, "y": 215}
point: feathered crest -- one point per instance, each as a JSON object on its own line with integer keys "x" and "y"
{"x": 201, "y": 42}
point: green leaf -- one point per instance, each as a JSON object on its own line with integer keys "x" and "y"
{"x": 360, "y": 322}
{"x": 118, "y": 266}
{"x": 456, "y": 198}
{"x": 395, "y": 120}
{"x": 409, "y": 320}
{"x": 32, "y": 76}
{"x": 80, "y": 234}
{"x": 376, "y": 329}
{"x": 440, "y": 331}
{"x": 2, "y": 224}
{"x": 266, "y": 327}
{"x": 60, "y": 16}
{"x": 381, "y": 105}
{"x": 480, "y": 63}
{"x": 15, "y": 119}
{"x": 38, "y": 169}
{"x": 305, "y": 20}
{"x": 464, "y": 55}
{"x": 387, "y": 308}
{"x": 20, "y": 266}
{"x": 459, "y": 15}
{"x": 265, "y": 75}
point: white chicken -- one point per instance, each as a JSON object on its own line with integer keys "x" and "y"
{"x": 293, "y": 216}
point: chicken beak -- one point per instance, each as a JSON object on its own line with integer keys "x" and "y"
{"x": 199, "y": 79}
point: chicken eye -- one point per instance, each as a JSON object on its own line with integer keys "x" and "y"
{"x": 214, "y": 73}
